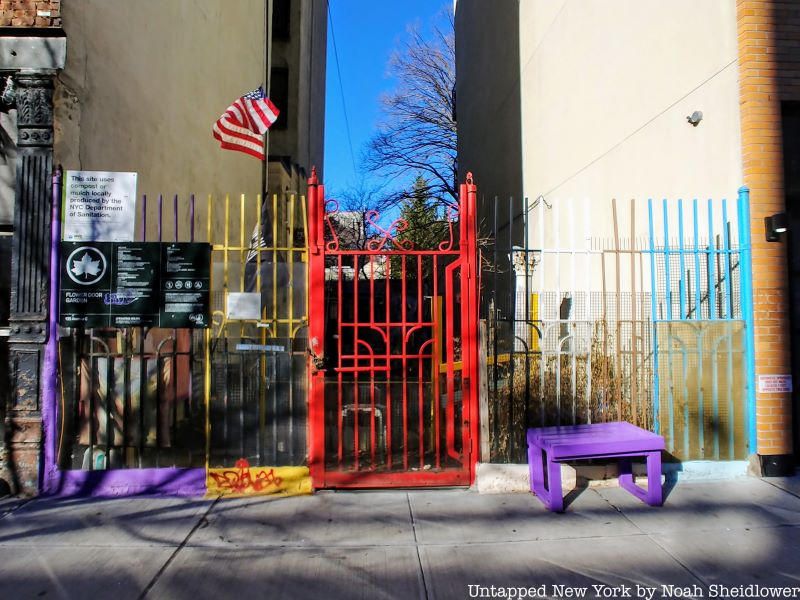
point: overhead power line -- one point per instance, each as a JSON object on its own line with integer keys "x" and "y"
{"x": 341, "y": 92}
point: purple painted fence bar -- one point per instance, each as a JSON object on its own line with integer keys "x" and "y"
{"x": 49, "y": 472}
{"x": 101, "y": 483}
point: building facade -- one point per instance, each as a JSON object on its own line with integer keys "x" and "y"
{"x": 135, "y": 87}
{"x": 596, "y": 109}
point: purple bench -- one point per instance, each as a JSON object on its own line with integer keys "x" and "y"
{"x": 547, "y": 446}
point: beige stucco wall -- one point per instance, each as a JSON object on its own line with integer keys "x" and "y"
{"x": 144, "y": 82}
{"x": 606, "y": 88}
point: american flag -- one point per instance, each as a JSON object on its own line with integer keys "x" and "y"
{"x": 245, "y": 122}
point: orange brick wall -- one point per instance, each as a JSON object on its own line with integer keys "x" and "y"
{"x": 30, "y": 13}
{"x": 769, "y": 63}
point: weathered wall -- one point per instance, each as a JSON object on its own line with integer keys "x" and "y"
{"x": 8, "y": 157}
{"x": 145, "y": 81}
{"x": 20, "y": 357}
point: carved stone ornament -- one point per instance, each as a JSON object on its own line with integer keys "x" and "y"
{"x": 34, "y": 94}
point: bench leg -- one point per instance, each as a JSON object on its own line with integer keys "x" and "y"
{"x": 549, "y": 494}
{"x": 653, "y": 494}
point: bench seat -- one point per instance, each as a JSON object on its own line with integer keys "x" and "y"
{"x": 548, "y": 446}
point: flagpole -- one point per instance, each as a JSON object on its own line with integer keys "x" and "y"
{"x": 267, "y": 65}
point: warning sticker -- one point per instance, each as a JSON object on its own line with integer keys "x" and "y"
{"x": 774, "y": 384}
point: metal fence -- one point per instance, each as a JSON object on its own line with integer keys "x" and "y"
{"x": 703, "y": 385}
{"x": 148, "y": 397}
{"x": 602, "y": 311}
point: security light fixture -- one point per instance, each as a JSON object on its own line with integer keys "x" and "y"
{"x": 695, "y": 118}
{"x": 774, "y": 226}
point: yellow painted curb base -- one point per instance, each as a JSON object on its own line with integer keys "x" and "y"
{"x": 244, "y": 480}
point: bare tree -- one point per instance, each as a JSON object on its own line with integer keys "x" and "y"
{"x": 350, "y": 222}
{"x": 417, "y": 134}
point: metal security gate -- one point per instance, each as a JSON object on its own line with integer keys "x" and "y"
{"x": 393, "y": 339}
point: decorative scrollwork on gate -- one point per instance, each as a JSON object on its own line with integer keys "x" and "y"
{"x": 333, "y": 244}
{"x": 386, "y": 236}
{"x": 452, "y": 217}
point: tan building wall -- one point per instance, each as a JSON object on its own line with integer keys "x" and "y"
{"x": 606, "y": 88}
{"x": 144, "y": 82}
{"x": 588, "y": 102}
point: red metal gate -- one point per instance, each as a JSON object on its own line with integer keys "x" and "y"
{"x": 393, "y": 348}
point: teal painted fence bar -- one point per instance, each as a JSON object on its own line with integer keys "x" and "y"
{"x": 703, "y": 341}
{"x": 747, "y": 309}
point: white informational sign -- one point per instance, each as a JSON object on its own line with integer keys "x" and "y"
{"x": 774, "y": 384}
{"x": 259, "y": 348}
{"x": 244, "y": 306}
{"x": 99, "y": 206}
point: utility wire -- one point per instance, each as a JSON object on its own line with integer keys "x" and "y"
{"x": 341, "y": 92}
{"x": 631, "y": 134}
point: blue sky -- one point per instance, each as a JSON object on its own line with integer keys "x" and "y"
{"x": 367, "y": 31}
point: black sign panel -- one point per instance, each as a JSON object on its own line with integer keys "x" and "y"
{"x": 185, "y": 276}
{"x": 135, "y": 284}
{"x": 132, "y": 298}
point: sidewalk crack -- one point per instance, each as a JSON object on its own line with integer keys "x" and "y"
{"x": 651, "y": 537}
{"x": 16, "y": 507}
{"x": 416, "y": 546}
{"x": 777, "y": 487}
{"x": 157, "y": 576}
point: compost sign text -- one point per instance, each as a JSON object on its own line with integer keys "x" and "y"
{"x": 135, "y": 284}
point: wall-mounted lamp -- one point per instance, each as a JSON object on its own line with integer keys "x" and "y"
{"x": 695, "y": 118}
{"x": 774, "y": 226}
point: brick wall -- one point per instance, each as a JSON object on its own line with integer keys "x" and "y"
{"x": 769, "y": 63}
{"x": 30, "y": 13}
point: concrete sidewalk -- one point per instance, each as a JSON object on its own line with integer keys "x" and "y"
{"x": 708, "y": 537}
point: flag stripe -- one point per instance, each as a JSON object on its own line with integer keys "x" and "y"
{"x": 233, "y": 134}
{"x": 244, "y": 105}
{"x": 232, "y": 140}
{"x": 253, "y": 117}
{"x": 263, "y": 118}
{"x": 237, "y": 114}
{"x": 272, "y": 110}
{"x": 244, "y": 123}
